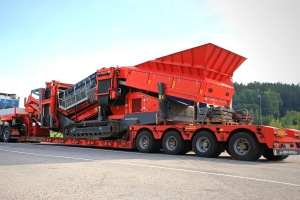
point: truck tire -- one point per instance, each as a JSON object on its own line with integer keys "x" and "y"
{"x": 221, "y": 148}
{"x": 6, "y": 134}
{"x": 1, "y": 131}
{"x": 173, "y": 143}
{"x": 260, "y": 152}
{"x": 227, "y": 149}
{"x": 205, "y": 144}
{"x": 187, "y": 146}
{"x": 244, "y": 146}
{"x": 269, "y": 155}
{"x": 145, "y": 142}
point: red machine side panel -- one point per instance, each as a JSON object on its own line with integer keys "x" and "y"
{"x": 201, "y": 74}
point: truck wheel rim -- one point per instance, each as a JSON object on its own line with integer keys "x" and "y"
{"x": 171, "y": 143}
{"x": 144, "y": 142}
{"x": 5, "y": 134}
{"x": 202, "y": 144}
{"x": 241, "y": 146}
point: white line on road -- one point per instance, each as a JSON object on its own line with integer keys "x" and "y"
{"x": 157, "y": 167}
{"x": 231, "y": 162}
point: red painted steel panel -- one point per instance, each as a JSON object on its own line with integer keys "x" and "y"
{"x": 207, "y": 60}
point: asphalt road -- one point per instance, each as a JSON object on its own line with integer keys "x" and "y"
{"x": 47, "y": 171}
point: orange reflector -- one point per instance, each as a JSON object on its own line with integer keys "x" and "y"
{"x": 281, "y": 132}
{"x": 190, "y": 127}
{"x": 173, "y": 84}
{"x": 15, "y": 132}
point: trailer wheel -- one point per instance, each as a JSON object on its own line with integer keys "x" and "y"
{"x": 173, "y": 143}
{"x": 260, "y": 152}
{"x": 6, "y": 135}
{"x": 269, "y": 155}
{"x": 221, "y": 148}
{"x": 227, "y": 150}
{"x": 187, "y": 146}
{"x": 205, "y": 144}
{"x": 145, "y": 142}
{"x": 244, "y": 146}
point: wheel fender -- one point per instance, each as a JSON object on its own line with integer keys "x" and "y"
{"x": 136, "y": 134}
{"x": 256, "y": 135}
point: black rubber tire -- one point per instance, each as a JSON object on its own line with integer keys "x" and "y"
{"x": 158, "y": 146}
{"x": 249, "y": 142}
{"x": 269, "y": 155}
{"x": 260, "y": 152}
{"x": 187, "y": 146}
{"x": 145, "y": 142}
{"x": 227, "y": 149}
{"x": 221, "y": 148}
{"x": 205, "y": 144}
{"x": 6, "y": 135}
{"x": 1, "y": 135}
{"x": 178, "y": 144}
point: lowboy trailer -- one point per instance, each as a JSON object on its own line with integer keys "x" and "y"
{"x": 159, "y": 104}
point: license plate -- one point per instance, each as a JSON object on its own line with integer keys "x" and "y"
{"x": 278, "y": 152}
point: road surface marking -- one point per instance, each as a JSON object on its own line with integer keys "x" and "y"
{"x": 166, "y": 155}
{"x": 153, "y": 166}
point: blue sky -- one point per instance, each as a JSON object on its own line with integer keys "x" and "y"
{"x": 68, "y": 40}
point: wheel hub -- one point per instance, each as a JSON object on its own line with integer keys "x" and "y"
{"x": 244, "y": 147}
{"x": 171, "y": 143}
{"x": 144, "y": 142}
{"x": 202, "y": 144}
{"x": 241, "y": 146}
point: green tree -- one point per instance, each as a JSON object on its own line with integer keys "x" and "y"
{"x": 256, "y": 119}
{"x": 276, "y": 123}
{"x": 289, "y": 93}
{"x": 290, "y": 119}
{"x": 280, "y": 103}
{"x": 246, "y": 99}
{"x": 267, "y": 119}
{"x": 298, "y": 121}
{"x": 270, "y": 101}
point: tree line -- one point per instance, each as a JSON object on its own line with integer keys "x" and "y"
{"x": 279, "y": 103}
